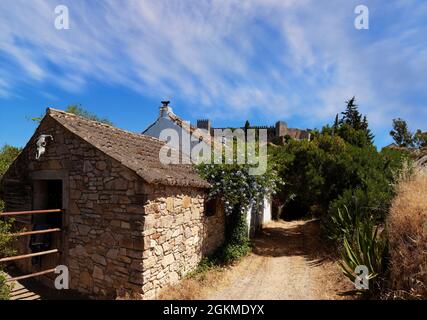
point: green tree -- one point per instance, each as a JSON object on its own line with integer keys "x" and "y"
{"x": 336, "y": 123}
{"x": 238, "y": 190}
{"x": 351, "y": 115}
{"x": 354, "y": 124}
{"x": 7, "y": 156}
{"x": 80, "y": 111}
{"x": 401, "y": 134}
{"x": 5, "y": 250}
{"x": 247, "y": 124}
{"x": 420, "y": 139}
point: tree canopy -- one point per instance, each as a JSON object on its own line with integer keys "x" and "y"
{"x": 7, "y": 155}
{"x": 80, "y": 111}
{"x": 403, "y": 137}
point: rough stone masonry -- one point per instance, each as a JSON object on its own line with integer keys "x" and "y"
{"x": 131, "y": 224}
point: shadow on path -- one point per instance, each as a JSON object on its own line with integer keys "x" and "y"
{"x": 299, "y": 238}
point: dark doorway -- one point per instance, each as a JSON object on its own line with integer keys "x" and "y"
{"x": 47, "y": 194}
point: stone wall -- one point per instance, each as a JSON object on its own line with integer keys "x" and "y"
{"x": 104, "y": 205}
{"x": 123, "y": 237}
{"x": 177, "y": 235}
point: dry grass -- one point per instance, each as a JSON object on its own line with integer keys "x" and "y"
{"x": 193, "y": 287}
{"x": 407, "y": 227}
{"x": 289, "y": 261}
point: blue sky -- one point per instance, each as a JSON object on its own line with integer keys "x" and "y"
{"x": 229, "y": 60}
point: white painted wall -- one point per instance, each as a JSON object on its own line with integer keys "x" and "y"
{"x": 185, "y": 144}
{"x": 267, "y": 210}
{"x": 256, "y": 217}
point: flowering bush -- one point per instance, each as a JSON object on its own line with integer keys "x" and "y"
{"x": 238, "y": 190}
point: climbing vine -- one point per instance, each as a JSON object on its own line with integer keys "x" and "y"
{"x": 239, "y": 191}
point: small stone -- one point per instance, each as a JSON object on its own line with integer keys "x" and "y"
{"x": 99, "y": 259}
{"x": 112, "y": 254}
{"x": 169, "y": 204}
{"x": 125, "y": 225}
{"x": 167, "y": 260}
{"x": 98, "y": 273}
{"x": 85, "y": 279}
{"x": 101, "y": 165}
{"x": 149, "y": 262}
{"x": 173, "y": 277}
{"x": 186, "y": 201}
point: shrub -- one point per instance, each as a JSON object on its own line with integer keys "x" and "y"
{"x": 7, "y": 155}
{"x": 4, "y": 288}
{"x": 239, "y": 191}
{"x": 5, "y": 250}
{"x": 365, "y": 247}
{"x": 328, "y": 169}
{"x": 407, "y": 232}
{"x": 345, "y": 214}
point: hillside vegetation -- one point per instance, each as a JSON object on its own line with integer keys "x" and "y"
{"x": 407, "y": 231}
{"x": 340, "y": 177}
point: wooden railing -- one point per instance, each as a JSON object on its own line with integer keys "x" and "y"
{"x": 29, "y": 233}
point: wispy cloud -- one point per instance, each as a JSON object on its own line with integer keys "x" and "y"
{"x": 282, "y": 57}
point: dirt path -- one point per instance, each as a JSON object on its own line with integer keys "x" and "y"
{"x": 288, "y": 262}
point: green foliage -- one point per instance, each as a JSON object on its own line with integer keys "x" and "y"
{"x": 6, "y": 238}
{"x": 401, "y": 134}
{"x": 343, "y": 219}
{"x": 341, "y": 176}
{"x": 318, "y": 172}
{"x": 420, "y": 139}
{"x": 5, "y": 289}
{"x": 238, "y": 190}
{"x": 370, "y": 198}
{"x": 404, "y": 138}
{"x": 7, "y": 156}
{"x": 234, "y": 252}
{"x": 204, "y": 265}
{"x": 353, "y": 119}
{"x": 365, "y": 247}
{"x": 339, "y": 163}
{"x": 247, "y": 124}
{"x": 5, "y": 250}
{"x": 80, "y": 111}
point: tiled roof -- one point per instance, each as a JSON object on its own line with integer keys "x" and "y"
{"x": 138, "y": 152}
{"x": 202, "y": 134}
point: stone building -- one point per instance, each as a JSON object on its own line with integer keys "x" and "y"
{"x": 130, "y": 226}
{"x": 256, "y": 216}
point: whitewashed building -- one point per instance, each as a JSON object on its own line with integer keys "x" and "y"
{"x": 168, "y": 122}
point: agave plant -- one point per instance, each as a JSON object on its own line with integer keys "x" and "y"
{"x": 366, "y": 247}
{"x": 343, "y": 222}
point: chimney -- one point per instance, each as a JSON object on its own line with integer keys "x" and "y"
{"x": 204, "y": 124}
{"x": 165, "y": 109}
